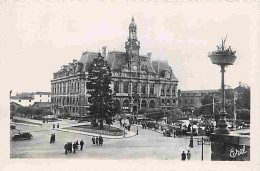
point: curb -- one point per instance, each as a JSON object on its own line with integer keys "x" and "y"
{"x": 93, "y": 134}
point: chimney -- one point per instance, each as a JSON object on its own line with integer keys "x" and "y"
{"x": 104, "y": 51}
{"x": 149, "y": 54}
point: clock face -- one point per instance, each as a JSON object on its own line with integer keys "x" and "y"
{"x": 135, "y": 68}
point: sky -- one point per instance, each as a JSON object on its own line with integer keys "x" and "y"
{"x": 36, "y": 39}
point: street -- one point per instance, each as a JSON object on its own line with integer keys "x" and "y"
{"x": 148, "y": 144}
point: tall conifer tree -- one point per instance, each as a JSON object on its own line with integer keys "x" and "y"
{"x": 99, "y": 78}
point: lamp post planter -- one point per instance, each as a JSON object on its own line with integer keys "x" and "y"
{"x": 222, "y": 57}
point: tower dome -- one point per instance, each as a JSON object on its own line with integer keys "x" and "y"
{"x": 132, "y": 24}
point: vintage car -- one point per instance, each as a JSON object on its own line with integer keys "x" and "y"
{"x": 22, "y": 136}
{"x": 167, "y": 133}
{"x": 12, "y": 126}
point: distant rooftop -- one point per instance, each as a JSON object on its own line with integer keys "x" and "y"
{"x": 43, "y": 93}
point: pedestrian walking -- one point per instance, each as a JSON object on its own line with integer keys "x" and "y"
{"x": 74, "y": 147}
{"x": 100, "y": 140}
{"x": 53, "y": 126}
{"x": 58, "y": 125}
{"x": 66, "y": 148}
{"x": 70, "y": 147}
{"x": 53, "y": 137}
{"x": 81, "y": 144}
{"x": 93, "y": 140}
{"x": 183, "y": 156}
{"x": 96, "y": 140}
{"x": 77, "y": 143}
{"x": 174, "y": 133}
{"x": 188, "y": 155}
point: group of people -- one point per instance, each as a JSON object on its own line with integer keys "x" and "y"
{"x": 68, "y": 146}
{"x": 52, "y": 140}
{"x": 97, "y": 140}
{"x": 144, "y": 125}
{"x": 184, "y": 155}
{"x": 53, "y": 126}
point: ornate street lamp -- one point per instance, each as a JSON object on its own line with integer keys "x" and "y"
{"x": 191, "y": 137}
{"x": 222, "y": 57}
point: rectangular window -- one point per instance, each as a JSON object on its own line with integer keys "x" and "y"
{"x": 126, "y": 87}
{"x": 151, "y": 88}
{"x": 143, "y": 88}
{"x": 168, "y": 89}
{"x": 173, "y": 91}
{"x": 162, "y": 90}
{"x": 116, "y": 87}
{"x": 134, "y": 87}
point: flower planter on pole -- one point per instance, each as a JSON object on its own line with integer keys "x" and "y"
{"x": 222, "y": 57}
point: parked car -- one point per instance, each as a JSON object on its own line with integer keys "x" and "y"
{"x": 167, "y": 133}
{"x": 22, "y": 136}
{"x": 12, "y": 126}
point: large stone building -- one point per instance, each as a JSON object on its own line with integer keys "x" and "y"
{"x": 192, "y": 98}
{"x": 137, "y": 82}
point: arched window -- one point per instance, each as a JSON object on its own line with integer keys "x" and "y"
{"x": 126, "y": 105}
{"x": 144, "y": 104}
{"x": 152, "y": 104}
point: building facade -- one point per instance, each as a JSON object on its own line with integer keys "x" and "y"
{"x": 42, "y": 96}
{"x": 137, "y": 82}
{"x": 192, "y": 98}
{"x": 29, "y": 98}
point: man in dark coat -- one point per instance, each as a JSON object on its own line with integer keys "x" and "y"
{"x": 54, "y": 137}
{"x": 70, "y": 147}
{"x": 77, "y": 143}
{"x": 183, "y": 156}
{"x": 81, "y": 144}
{"x": 93, "y": 140}
{"x": 100, "y": 139}
{"x": 96, "y": 140}
{"x": 66, "y": 148}
{"x": 74, "y": 147}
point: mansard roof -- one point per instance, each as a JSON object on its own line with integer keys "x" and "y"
{"x": 87, "y": 58}
{"x": 116, "y": 60}
{"x": 162, "y": 66}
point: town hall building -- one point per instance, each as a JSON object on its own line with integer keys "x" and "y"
{"x": 137, "y": 82}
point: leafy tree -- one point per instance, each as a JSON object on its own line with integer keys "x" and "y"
{"x": 99, "y": 78}
{"x": 243, "y": 97}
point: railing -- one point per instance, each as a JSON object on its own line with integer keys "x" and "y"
{"x": 103, "y": 132}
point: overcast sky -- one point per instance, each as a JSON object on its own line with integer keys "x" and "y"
{"x": 37, "y": 38}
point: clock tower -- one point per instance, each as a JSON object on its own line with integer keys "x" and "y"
{"x": 132, "y": 45}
